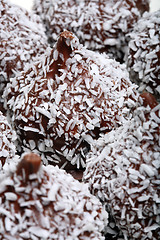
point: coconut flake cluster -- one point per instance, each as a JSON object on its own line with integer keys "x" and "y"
{"x": 100, "y": 25}
{"x": 60, "y": 103}
{"x": 7, "y": 141}
{"x": 22, "y": 36}
{"x": 38, "y": 202}
{"x": 123, "y": 170}
{"x": 144, "y": 53}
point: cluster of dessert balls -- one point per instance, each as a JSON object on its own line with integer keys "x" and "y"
{"x": 79, "y": 95}
{"x": 99, "y": 25}
{"x": 123, "y": 171}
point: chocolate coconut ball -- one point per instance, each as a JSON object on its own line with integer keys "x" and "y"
{"x": 22, "y": 37}
{"x": 7, "y": 141}
{"x": 67, "y": 99}
{"x": 100, "y": 25}
{"x": 123, "y": 170}
{"x": 39, "y": 202}
{"x": 144, "y": 53}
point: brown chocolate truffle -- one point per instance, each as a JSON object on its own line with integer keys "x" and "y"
{"x": 22, "y": 37}
{"x": 47, "y": 203}
{"x": 144, "y": 53}
{"x": 123, "y": 170}
{"x": 68, "y": 98}
{"x": 100, "y": 25}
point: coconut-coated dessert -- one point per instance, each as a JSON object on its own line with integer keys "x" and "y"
{"x": 99, "y": 24}
{"x": 22, "y": 37}
{"x": 7, "y": 141}
{"x": 123, "y": 170}
{"x": 38, "y": 202}
{"x": 60, "y": 103}
{"x": 144, "y": 53}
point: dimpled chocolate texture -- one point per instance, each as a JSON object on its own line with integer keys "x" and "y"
{"x": 22, "y": 37}
{"x": 38, "y": 202}
{"x": 7, "y": 141}
{"x": 144, "y": 53}
{"x": 66, "y": 99}
{"x": 100, "y": 25}
{"x": 123, "y": 171}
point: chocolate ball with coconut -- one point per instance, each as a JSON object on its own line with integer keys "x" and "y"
{"x": 39, "y": 202}
{"x": 22, "y": 37}
{"x": 123, "y": 170}
{"x": 100, "y": 25}
{"x": 68, "y": 98}
{"x": 7, "y": 142}
{"x": 144, "y": 53}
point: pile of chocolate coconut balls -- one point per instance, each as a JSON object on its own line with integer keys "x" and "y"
{"x": 80, "y": 120}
